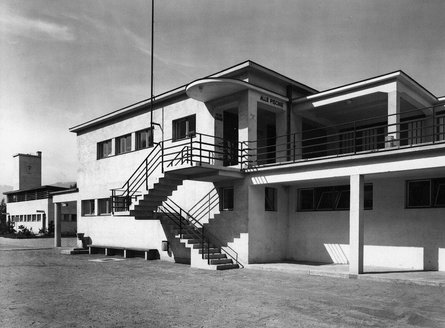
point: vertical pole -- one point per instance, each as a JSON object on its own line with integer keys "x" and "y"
{"x": 356, "y": 224}
{"x": 294, "y": 147}
{"x": 57, "y": 225}
{"x": 151, "y": 63}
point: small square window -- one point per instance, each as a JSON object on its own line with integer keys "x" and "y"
{"x": 104, "y": 149}
{"x": 144, "y": 139}
{"x": 123, "y": 144}
{"x": 270, "y": 199}
{"x": 184, "y": 127}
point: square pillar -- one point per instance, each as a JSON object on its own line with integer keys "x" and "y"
{"x": 356, "y": 224}
{"x": 57, "y": 224}
{"x": 393, "y": 135}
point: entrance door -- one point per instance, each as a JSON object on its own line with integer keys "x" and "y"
{"x": 230, "y": 136}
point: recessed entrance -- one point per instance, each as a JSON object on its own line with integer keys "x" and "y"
{"x": 230, "y": 135}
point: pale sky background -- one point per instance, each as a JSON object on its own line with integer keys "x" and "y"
{"x": 63, "y": 62}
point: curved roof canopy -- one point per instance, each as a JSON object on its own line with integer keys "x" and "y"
{"x": 213, "y": 88}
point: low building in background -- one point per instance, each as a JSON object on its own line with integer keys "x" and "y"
{"x": 30, "y": 204}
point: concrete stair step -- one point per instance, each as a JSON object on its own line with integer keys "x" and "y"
{"x": 227, "y": 266}
{"x": 215, "y": 255}
{"x": 221, "y": 261}
{"x": 211, "y": 250}
{"x": 164, "y": 187}
{"x": 170, "y": 182}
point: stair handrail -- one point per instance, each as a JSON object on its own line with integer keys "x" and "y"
{"x": 205, "y": 205}
{"x": 138, "y": 178}
{"x": 205, "y": 234}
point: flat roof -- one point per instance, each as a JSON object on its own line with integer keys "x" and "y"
{"x": 46, "y": 187}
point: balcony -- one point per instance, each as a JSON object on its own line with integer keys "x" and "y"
{"x": 413, "y": 128}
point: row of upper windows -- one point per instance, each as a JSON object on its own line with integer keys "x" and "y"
{"x": 144, "y": 139}
{"x": 182, "y": 128}
{"x": 27, "y": 217}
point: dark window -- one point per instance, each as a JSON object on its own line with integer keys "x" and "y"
{"x": 88, "y": 207}
{"x": 270, "y": 199}
{"x": 332, "y": 198}
{"x": 306, "y": 197}
{"x": 123, "y": 144}
{"x": 104, "y": 206}
{"x": 184, "y": 127}
{"x": 419, "y": 193}
{"x": 226, "y": 196}
{"x": 104, "y": 149}
{"x": 73, "y": 217}
{"x": 144, "y": 139}
{"x": 425, "y": 193}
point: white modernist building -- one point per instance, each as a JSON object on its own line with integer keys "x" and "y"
{"x": 249, "y": 166}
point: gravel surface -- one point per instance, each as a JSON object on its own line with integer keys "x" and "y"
{"x": 42, "y": 288}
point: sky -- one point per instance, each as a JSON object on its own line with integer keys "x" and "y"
{"x": 64, "y": 62}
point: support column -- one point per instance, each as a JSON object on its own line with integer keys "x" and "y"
{"x": 356, "y": 224}
{"x": 57, "y": 224}
{"x": 393, "y": 135}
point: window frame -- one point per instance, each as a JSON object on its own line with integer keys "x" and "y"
{"x": 100, "y": 149}
{"x": 435, "y": 185}
{"x": 138, "y": 140}
{"x": 224, "y": 194}
{"x": 92, "y": 208}
{"x": 337, "y": 191}
{"x": 273, "y": 201}
{"x": 108, "y": 209}
{"x": 128, "y": 144}
{"x": 188, "y": 133}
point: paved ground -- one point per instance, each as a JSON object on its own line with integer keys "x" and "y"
{"x": 42, "y": 288}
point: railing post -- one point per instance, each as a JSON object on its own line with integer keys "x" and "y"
{"x": 202, "y": 243}
{"x": 200, "y": 149}
{"x": 146, "y": 174}
{"x": 162, "y": 156}
{"x": 180, "y": 223}
{"x": 191, "y": 149}
{"x": 434, "y": 125}
{"x": 355, "y": 137}
{"x": 295, "y": 150}
{"x": 208, "y": 252}
{"x": 112, "y": 201}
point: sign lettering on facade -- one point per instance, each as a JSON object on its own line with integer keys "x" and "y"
{"x": 272, "y": 101}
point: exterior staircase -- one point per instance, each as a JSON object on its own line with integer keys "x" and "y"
{"x": 208, "y": 257}
{"x": 146, "y": 206}
{"x": 205, "y": 252}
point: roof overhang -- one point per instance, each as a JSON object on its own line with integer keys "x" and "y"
{"x": 209, "y": 89}
{"x": 375, "y": 82}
